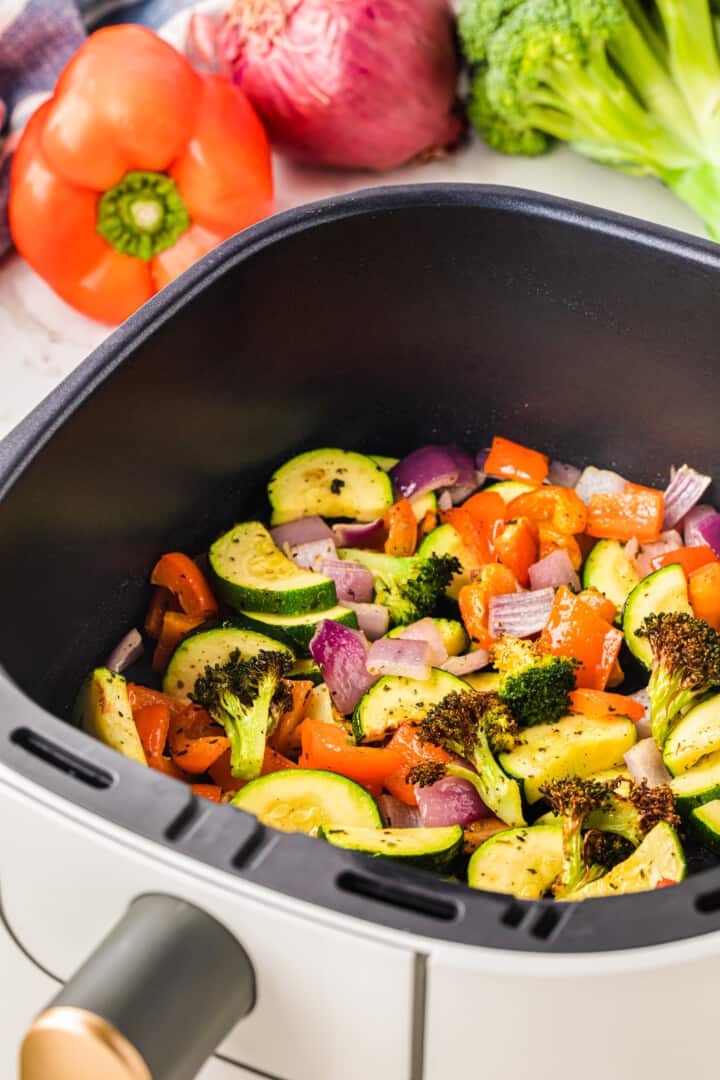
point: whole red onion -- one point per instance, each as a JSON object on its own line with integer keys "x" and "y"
{"x": 356, "y": 83}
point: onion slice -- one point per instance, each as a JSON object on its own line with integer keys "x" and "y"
{"x": 709, "y": 529}
{"x": 563, "y": 475}
{"x": 642, "y": 726}
{"x": 397, "y": 814}
{"x": 425, "y": 469}
{"x": 520, "y": 614}
{"x": 450, "y": 801}
{"x": 301, "y": 531}
{"x": 373, "y": 619}
{"x": 691, "y": 531}
{"x": 365, "y": 534}
{"x": 598, "y": 482}
{"x": 399, "y": 656}
{"x": 666, "y": 541}
{"x": 309, "y": 555}
{"x": 645, "y": 763}
{"x": 467, "y": 480}
{"x": 341, "y": 655}
{"x": 685, "y": 489}
{"x": 467, "y": 663}
{"x": 352, "y": 580}
{"x": 128, "y": 649}
{"x": 426, "y": 630}
{"x": 553, "y": 571}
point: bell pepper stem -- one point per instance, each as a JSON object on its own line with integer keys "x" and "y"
{"x": 142, "y": 215}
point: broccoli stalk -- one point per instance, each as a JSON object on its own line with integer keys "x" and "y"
{"x": 410, "y": 587}
{"x": 476, "y": 726}
{"x": 247, "y": 697}
{"x": 630, "y": 83}
{"x": 595, "y": 807}
{"x": 685, "y": 665}
{"x": 534, "y": 685}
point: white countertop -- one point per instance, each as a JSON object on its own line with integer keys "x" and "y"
{"x": 42, "y": 339}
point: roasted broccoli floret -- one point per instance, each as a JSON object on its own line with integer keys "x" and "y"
{"x": 534, "y": 685}
{"x": 426, "y": 773}
{"x": 629, "y": 83}
{"x": 476, "y": 726}
{"x": 685, "y": 665}
{"x": 247, "y": 697}
{"x": 599, "y": 807}
{"x": 410, "y": 587}
{"x": 602, "y": 851}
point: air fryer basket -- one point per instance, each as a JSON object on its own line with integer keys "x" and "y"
{"x": 378, "y": 321}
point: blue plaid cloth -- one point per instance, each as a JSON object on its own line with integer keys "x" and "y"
{"x": 37, "y": 38}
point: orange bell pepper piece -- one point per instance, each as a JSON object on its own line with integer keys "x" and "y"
{"x": 561, "y": 508}
{"x": 551, "y": 540}
{"x": 195, "y": 741}
{"x": 326, "y": 746}
{"x": 160, "y": 601}
{"x": 167, "y": 767}
{"x": 474, "y": 600}
{"x": 285, "y": 738}
{"x": 475, "y": 540}
{"x": 478, "y": 521}
{"x": 175, "y": 626}
{"x": 598, "y": 704}
{"x": 636, "y": 511}
{"x": 690, "y": 558}
{"x": 142, "y": 696}
{"x": 221, "y": 774}
{"x": 517, "y": 548}
{"x": 136, "y": 167}
{"x": 599, "y": 603}
{"x": 185, "y": 579}
{"x": 575, "y": 630}
{"x": 428, "y": 523}
{"x": 153, "y": 723}
{"x": 207, "y": 791}
{"x": 511, "y": 461}
{"x": 402, "y": 529}
{"x": 704, "y": 593}
{"x": 413, "y": 751}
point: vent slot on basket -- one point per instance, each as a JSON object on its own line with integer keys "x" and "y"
{"x": 184, "y": 819}
{"x": 61, "y": 758}
{"x": 708, "y": 903}
{"x": 512, "y": 916}
{"x": 545, "y": 925}
{"x": 395, "y": 895}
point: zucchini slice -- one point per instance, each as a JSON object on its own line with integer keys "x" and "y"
{"x": 693, "y": 737}
{"x": 332, "y": 483}
{"x": 395, "y": 698}
{"x": 698, "y": 786}
{"x": 451, "y": 631}
{"x": 484, "y": 681}
{"x": 608, "y": 570}
{"x": 509, "y": 489}
{"x": 445, "y": 540}
{"x": 706, "y": 823}
{"x": 306, "y": 669}
{"x": 664, "y": 590}
{"x": 301, "y": 800}
{"x": 103, "y": 709}
{"x": 574, "y": 746}
{"x": 192, "y": 655}
{"x": 659, "y": 857}
{"x": 520, "y": 862}
{"x": 252, "y": 574}
{"x": 297, "y": 631}
{"x": 431, "y": 849}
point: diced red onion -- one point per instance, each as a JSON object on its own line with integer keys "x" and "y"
{"x": 691, "y": 532}
{"x": 366, "y": 534}
{"x": 450, "y": 801}
{"x": 425, "y": 469}
{"x": 467, "y": 481}
{"x": 598, "y": 482}
{"x": 709, "y": 529}
{"x": 642, "y": 726}
{"x": 467, "y": 663}
{"x": 309, "y": 555}
{"x": 426, "y": 630}
{"x": 685, "y": 489}
{"x": 399, "y": 656}
{"x": 128, "y": 649}
{"x": 666, "y": 541}
{"x": 644, "y": 761}
{"x": 563, "y": 475}
{"x": 520, "y": 614}
{"x": 373, "y": 619}
{"x": 480, "y": 459}
{"x": 397, "y": 814}
{"x": 341, "y": 655}
{"x": 301, "y": 531}
{"x": 352, "y": 581}
{"x": 445, "y": 501}
{"x": 553, "y": 571}
{"x": 632, "y": 548}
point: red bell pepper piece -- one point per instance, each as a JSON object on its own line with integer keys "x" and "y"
{"x": 207, "y": 791}
{"x": 326, "y": 746}
{"x": 402, "y": 529}
{"x": 413, "y": 751}
{"x": 597, "y": 704}
{"x": 690, "y": 558}
{"x": 511, "y": 461}
{"x": 634, "y": 512}
{"x": 474, "y": 600}
{"x": 517, "y": 548}
{"x": 195, "y": 741}
{"x": 136, "y": 167}
{"x": 561, "y": 508}
{"x": 153, "y": 723}
{"x": 704, "y": 593}
{"x": 185, "y": 579}
{"x": 575, "y": 630}
{"x": 175, "y": 626}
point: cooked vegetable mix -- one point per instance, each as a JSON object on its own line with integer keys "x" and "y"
{"x": 421, "y": 662}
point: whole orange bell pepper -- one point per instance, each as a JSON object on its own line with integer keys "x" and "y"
{"x": 135, "y": 168}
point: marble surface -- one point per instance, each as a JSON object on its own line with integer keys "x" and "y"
{"x": 42, "y": 339}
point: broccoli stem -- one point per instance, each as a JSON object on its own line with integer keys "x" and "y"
{"x": 499, "y": 792}
{"x": 694, "y": 61}
{"x": 247, "y": 736}
{"x": 699, "y": 188}
{"x": 573, "y": 869}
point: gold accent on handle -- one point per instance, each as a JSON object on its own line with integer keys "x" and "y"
{"x": 73, "y": 1044}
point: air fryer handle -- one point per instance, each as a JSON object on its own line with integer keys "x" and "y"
{"x": 152, "y": 1002}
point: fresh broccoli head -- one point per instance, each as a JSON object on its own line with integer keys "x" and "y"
{"x": 476, "y": 726}
{"x": 685, "y": 665}
{"x": 629, "y": 83}
{"x": 534, "y": 685}
{"x": 410, "y": 587}
{"x": 247, "y": 697}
